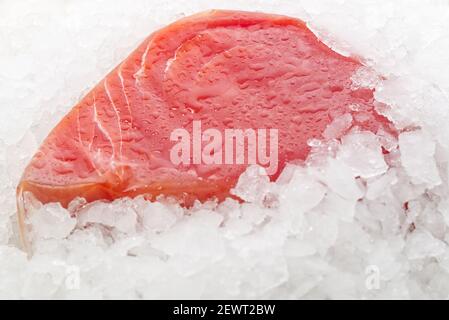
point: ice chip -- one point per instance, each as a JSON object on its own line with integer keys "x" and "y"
{"x": 339, "y": 207}
{"x": 253, "y": 184}
{"x": 338, "y": 127}
{"x": 159, "y": 217}
{"x": 362, "y": 152}
{"x": 365, "y": 77}
{"x": 340, "y": 178}
{"x": 380, "y": 185}
{"x": 51, "y": 221}
{"x": 303, "y": 192}
{"x": 421, "y": 244}
{"x": 119, "y": 215}
{"x": 417, "y": 154}
{"x": 322, "y": 230}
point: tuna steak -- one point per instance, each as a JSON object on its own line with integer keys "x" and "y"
{"x": 227, "y": 69}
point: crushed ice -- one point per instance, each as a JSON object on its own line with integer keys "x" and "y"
{"x": 352, "y": 221}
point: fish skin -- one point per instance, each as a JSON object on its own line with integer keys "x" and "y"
{"x": 254, "y": 70}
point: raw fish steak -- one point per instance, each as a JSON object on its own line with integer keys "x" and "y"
{"x": 224, "y": 69}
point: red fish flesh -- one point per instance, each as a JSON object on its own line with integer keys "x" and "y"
{"x": 227, "y": 69}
